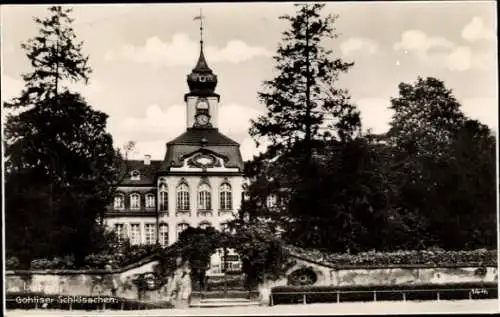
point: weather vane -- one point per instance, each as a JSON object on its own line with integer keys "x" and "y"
{"x": 200, "y": 17}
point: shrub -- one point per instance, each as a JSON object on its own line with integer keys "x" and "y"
{"x": 12, "y": 263}
{"x": 480, "y": 257}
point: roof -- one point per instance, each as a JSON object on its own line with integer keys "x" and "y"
{"x": 202, "y": 65}
{"x": 194, "y": 136}
{"x": 195, "y": 139}
{"x": 147, "y": 172}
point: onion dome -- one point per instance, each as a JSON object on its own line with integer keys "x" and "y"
{"x": 202, "y": 80}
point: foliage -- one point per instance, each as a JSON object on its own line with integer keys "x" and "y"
{"x": 443, "y": 167}
{"x": 302, "y": 98}
{"x": 60, "y": 162}
{"x": 435, "y": 257}
{"x": 261, "y": 252}
{"x": 428, "y": 182}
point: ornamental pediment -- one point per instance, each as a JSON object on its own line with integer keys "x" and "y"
{"x": 203, "y": 160}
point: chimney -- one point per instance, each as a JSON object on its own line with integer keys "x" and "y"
{"x": 147, "y": 159}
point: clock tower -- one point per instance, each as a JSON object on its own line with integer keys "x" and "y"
{"x": 201, "y": 101}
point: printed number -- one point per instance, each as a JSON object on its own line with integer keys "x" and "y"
{"x": 479, "y": 291}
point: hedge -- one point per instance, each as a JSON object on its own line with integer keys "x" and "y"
{"x": 132, "y": 254}
{"x": 437, "y": 257}
{"x": 128, "y": 255}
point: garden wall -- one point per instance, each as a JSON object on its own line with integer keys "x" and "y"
{"x": 86, "y": 282}
{"x": 308, "y": 272}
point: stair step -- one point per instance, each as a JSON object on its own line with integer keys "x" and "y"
{"x": 225, "y": 300}
{"x": 223, "y": 304}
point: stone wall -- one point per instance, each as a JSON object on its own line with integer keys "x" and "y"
{"x": 79, "y": 282}
{"x": 116, "y": 282}
{"x": 381, "y": 276}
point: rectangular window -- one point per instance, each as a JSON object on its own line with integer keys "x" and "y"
{"x": 226, "y": 201}
{"x": 205, "y": 201}
{"x": 149, "y": 233}
{"x": 120, "y": 231}
{"x": 135, "y": 233}
{"x": 164, "y": 234}
{"x": 183, "y": 201}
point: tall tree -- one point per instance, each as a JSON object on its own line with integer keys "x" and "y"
{"x": 447, "y": 192}
{"x": 302, "y": 99}
{"x": 60, "y": 160}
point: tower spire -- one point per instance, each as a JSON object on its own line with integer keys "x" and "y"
{"x": 200, "y": 18}
{"x": 202, "y": 80}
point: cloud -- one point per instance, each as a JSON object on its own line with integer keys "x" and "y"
{"x": 182, "y": 51}
{"x": 375, "y": 114}
{"x": 483, "y": 109}
{"x": 358, "y": 44}
{"x": 11, "y": 87}
{"x": 476, "y": 30}
{"x": 159, "y": 125}
{"x": 441, "y": 52}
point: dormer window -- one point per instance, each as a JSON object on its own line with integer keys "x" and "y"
{"x": 135, "y": 175}
{"x": 119, "y": 202}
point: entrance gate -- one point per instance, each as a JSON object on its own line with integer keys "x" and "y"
{"x": 224, "y": 278}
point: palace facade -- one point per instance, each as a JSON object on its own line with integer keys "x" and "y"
{"x": 198, "y": 183}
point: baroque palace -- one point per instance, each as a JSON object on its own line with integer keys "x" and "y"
{"x": 198, "y": 183}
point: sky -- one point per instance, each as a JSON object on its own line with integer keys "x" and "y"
{"x": 141, "y": 54}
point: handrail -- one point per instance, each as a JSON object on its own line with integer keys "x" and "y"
{"x": 384, "y": 291}
{"x": 472, "y": 291}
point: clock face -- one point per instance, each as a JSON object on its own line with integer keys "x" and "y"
{"x": 202, "y": 119}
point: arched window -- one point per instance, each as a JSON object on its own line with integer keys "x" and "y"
{"x": 135, "y": 201}
{"x": 119, "y": 201}
{"x": 163, "y": 232}
{"x": 271, "y": 201}
{"x": 226, "y": 200}
{"x": 205, "y": 225}
{"x": 204, "y": 197}
{"x": 180, "y": 228}
{"x": 183, "y": 197}
{"x": 163, "y": 197}
{"x": 150, "y": 201}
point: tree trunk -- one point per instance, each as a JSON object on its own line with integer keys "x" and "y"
{"x": 308, "y": 137}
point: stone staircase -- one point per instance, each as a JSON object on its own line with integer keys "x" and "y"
{"x": 222, "y": 302}
{"x": 219, "y": 295}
